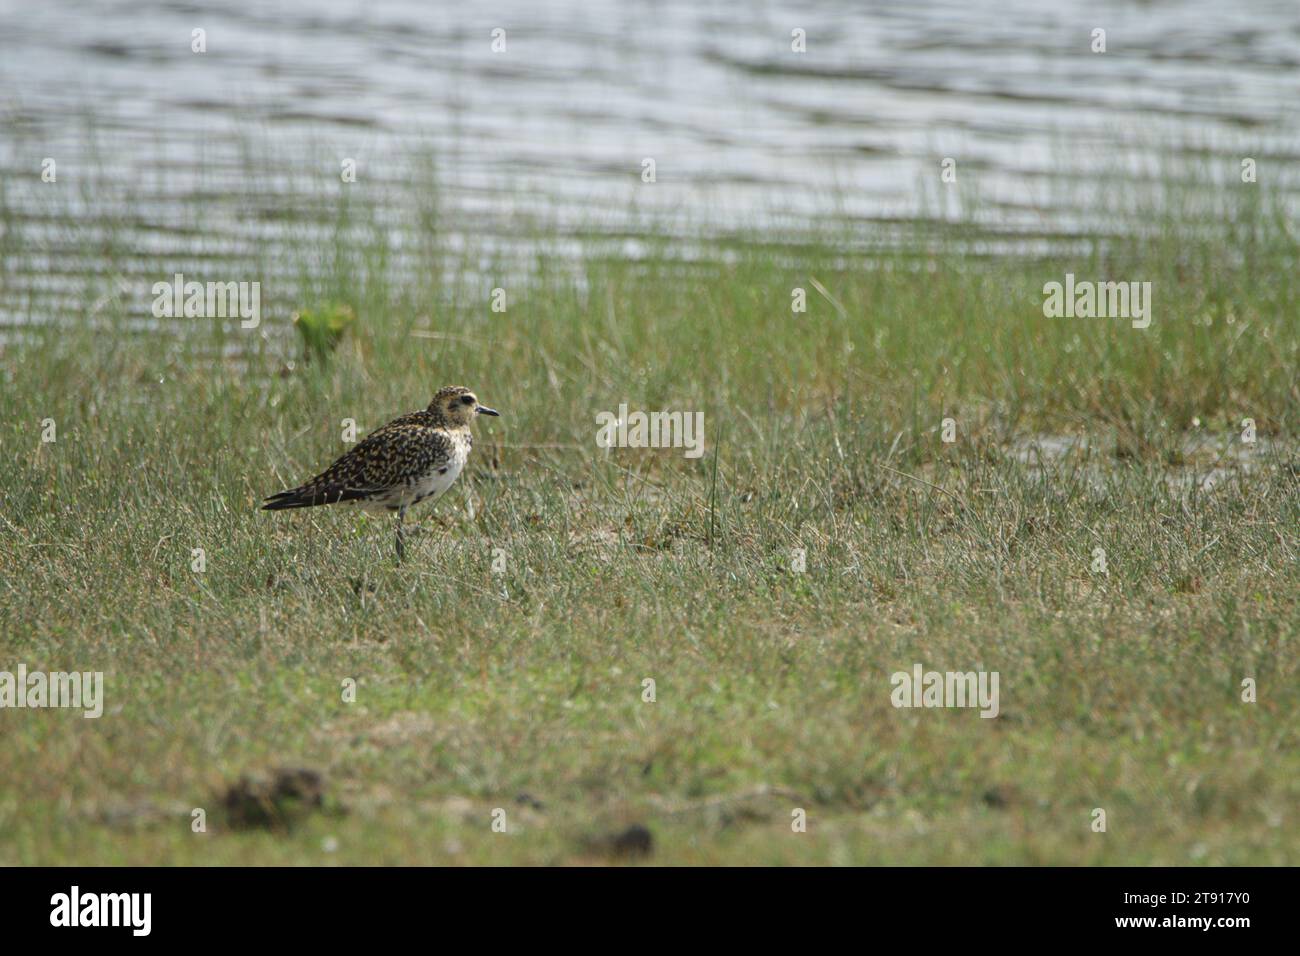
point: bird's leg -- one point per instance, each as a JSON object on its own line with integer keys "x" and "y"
{"x": 401, "y": 544}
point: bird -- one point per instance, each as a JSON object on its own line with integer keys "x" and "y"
{"x": 415, "y": 457}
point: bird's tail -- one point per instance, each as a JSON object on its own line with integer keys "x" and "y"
{"x": 292, "y": 498}
{"x": 309, "y": 496}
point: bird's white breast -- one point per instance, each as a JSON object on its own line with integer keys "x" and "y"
{"x": 432, "y": 485}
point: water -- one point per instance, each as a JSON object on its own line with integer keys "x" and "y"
{"x": 556, "y": 127}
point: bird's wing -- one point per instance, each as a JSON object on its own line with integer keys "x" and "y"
{"x": 399, "y": 452}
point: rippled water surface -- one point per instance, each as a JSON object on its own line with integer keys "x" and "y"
{"x": 555, "y": 128}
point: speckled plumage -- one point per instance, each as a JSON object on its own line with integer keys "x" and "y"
{"x": 413, "y": 458}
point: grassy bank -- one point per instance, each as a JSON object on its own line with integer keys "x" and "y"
{"x": 523, "y": 690}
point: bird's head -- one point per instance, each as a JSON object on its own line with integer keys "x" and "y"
{"x": 458, "y": 405}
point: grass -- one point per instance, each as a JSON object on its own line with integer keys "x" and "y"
{"x": 523, "y": 690}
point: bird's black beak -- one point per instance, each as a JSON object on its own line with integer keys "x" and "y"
{"x": 484, "y": 410}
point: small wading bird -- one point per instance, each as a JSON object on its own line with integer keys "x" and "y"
{"x": 411, "y": 459}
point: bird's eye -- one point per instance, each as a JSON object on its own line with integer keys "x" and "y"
{"x": 468, "y": 400}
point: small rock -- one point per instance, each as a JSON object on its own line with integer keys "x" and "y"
{"x": 273, "y": 800}
{"x": 631, "y": 843}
